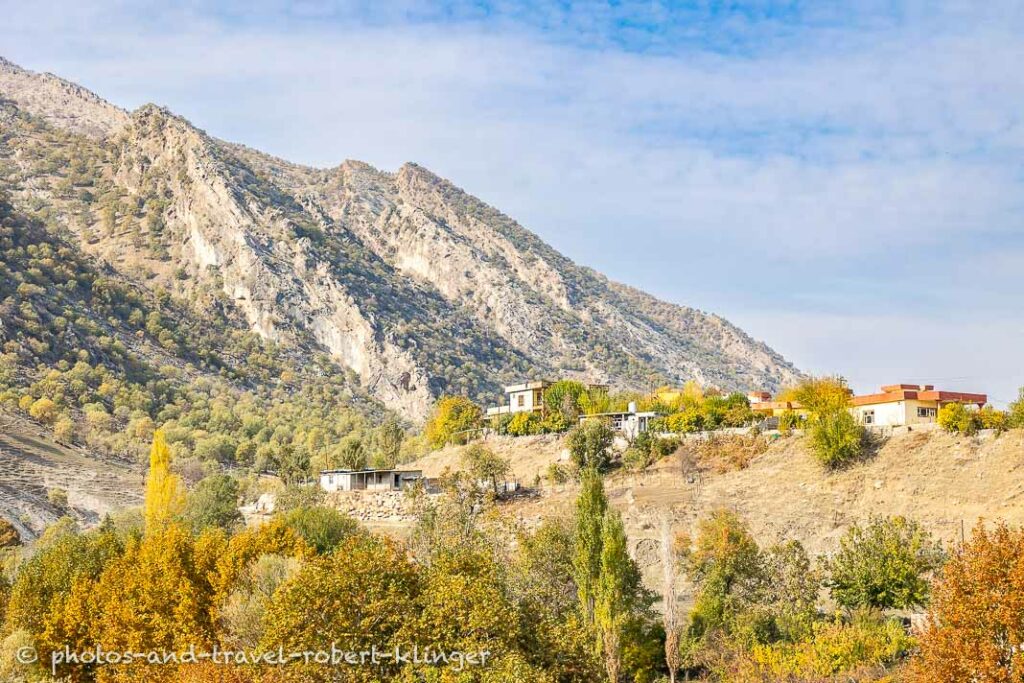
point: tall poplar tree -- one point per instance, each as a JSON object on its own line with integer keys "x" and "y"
{"x": 165, "y": 493}
{"x": 591, "y": 506}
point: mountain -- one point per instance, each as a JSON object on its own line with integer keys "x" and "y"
{"x": 404, "y": 279}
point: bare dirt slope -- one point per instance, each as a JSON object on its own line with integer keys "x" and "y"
{"x": 32, "y": 464}
{"x": 945, "y": 482}
{"x": 528, "y": 456}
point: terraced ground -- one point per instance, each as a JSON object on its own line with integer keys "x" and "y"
{"x": 32, "y": 465}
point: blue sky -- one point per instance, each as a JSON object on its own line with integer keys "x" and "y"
{"x": 843, "y": 180}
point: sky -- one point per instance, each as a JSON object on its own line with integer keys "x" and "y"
{"x": 844, "y": 180}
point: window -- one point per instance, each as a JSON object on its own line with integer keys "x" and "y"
{"x": 925, "y": 412}
{"x": 868, "y": 417}
{"x": 521, "y": 400}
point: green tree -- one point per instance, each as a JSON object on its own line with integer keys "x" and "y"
{"x": 836, "y": 437}
{"x": 591, "y": 505}
{"x": 589, "y": 445}
{"x": 451, "y": 420}
{"x": 213, "y": 503}
{"x": 616, "y": 586}
{"x": 884, "y": 564}
{"x": 564, "y": 397}
{"x": 483, "y": 464}
{"x": 1016, "y": 412}
{"x": 323, "y": 528}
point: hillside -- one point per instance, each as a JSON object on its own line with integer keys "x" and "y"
{"x": 939, "y": 479}
{"x": 407, "y": 282}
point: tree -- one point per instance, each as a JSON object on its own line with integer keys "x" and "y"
{"x": 1016, "y": 412}
{"x": 836, "y": 437}
{"x": 977, "y": 612}
{"x": 387, "y": 444}
{"x": 564, "y": 397}
{"x": 591, "y": 505}
{"x": 589, "y": 444}
{"x": 323, "y": 528}
{"x": 670, "y": 599}
{"x": 484, "y": 465}
{"x": 451, "y": 419}
{"x": 616, "y": 582}
{"x": 725, "y": 564}
{"x": 883, "y": 565}
{"x": 214, "y": 503}
{"x": 43, "y": 410}
{"x": 165, "y": 496}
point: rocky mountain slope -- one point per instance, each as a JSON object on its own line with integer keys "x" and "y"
{"x": 412, "y": 284}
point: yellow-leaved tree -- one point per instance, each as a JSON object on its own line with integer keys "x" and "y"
{"x": 165, "y": 493}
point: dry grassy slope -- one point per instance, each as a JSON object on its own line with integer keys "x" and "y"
{"x": 936, "y": 478}
{"x": 528, "y": 455}
{"x": 31, "y": 464}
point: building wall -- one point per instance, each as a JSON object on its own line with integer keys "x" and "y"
{"x": 896, "y": 413}
{"x": 531, "y": 401}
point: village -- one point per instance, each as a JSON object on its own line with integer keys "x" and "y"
{"x": 901, "y": 406}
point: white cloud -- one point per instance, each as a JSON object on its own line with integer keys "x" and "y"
{"x": 848, "y": 169}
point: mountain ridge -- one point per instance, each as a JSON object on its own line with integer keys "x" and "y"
{"x": 404, "y": 278}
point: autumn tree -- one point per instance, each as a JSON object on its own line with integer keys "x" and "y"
{"x": 8, "y": 534}
{"x": 836, "y": 437}
{"x": 452, "y": 418}
{"x": 321, "y": 527}
{"x": 884, "y": 565}
{"x": 670, "y": 599}
{"x": 165, "y": 495}
{"x": 976, "y": 622}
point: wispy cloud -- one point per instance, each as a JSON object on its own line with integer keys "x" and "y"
{"x": 802, "y": 158}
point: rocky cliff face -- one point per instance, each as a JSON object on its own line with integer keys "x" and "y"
{"x": 409, "y": 282}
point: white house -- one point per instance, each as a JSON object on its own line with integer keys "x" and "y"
{"x": 629, "y": 423}
{"x": 527, "y": 397}
{"x": 368, "y": 480}
{"x": 908, "y": 404}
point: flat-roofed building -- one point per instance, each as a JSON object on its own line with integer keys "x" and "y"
{"x": 909, "y": 404}
{"x": 527, "y": 397}
{"x": 368, "y": 480}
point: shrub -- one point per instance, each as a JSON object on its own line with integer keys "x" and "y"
{"x": 523, "y": 424}
{"x": 883, "y": 565}
{"x": 452, "y": 418}
{"x": 990, "y": 418}
{"x": 557, "y": 474}
{"x": 790, "y": 420}
{"x": 589, "y": 444}
{"x": 8, "y": 534}
{"x": 58, "y": 498}
{"x": 43, "y": 410}
{"x": 836, "y": 438}
{"x": 955, "y": 418}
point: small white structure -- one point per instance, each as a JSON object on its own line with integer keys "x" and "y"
{"x": 368, "y": 480}
{"x": 629, "y": 424}
{"x": 527, "y": 397}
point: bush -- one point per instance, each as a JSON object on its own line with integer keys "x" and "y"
{"x": 836, "y": 438}
{"x": 884, "y": 565}
{"x": 8, "y": 534}
{"x": 955, "y": 418}
{"x": 834, "y": 648}
{"x": 589, "y": 444}
{"x": 523, "y": 424}
{"x": 43, "y": 410}
{"x": 790, "y": 420}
